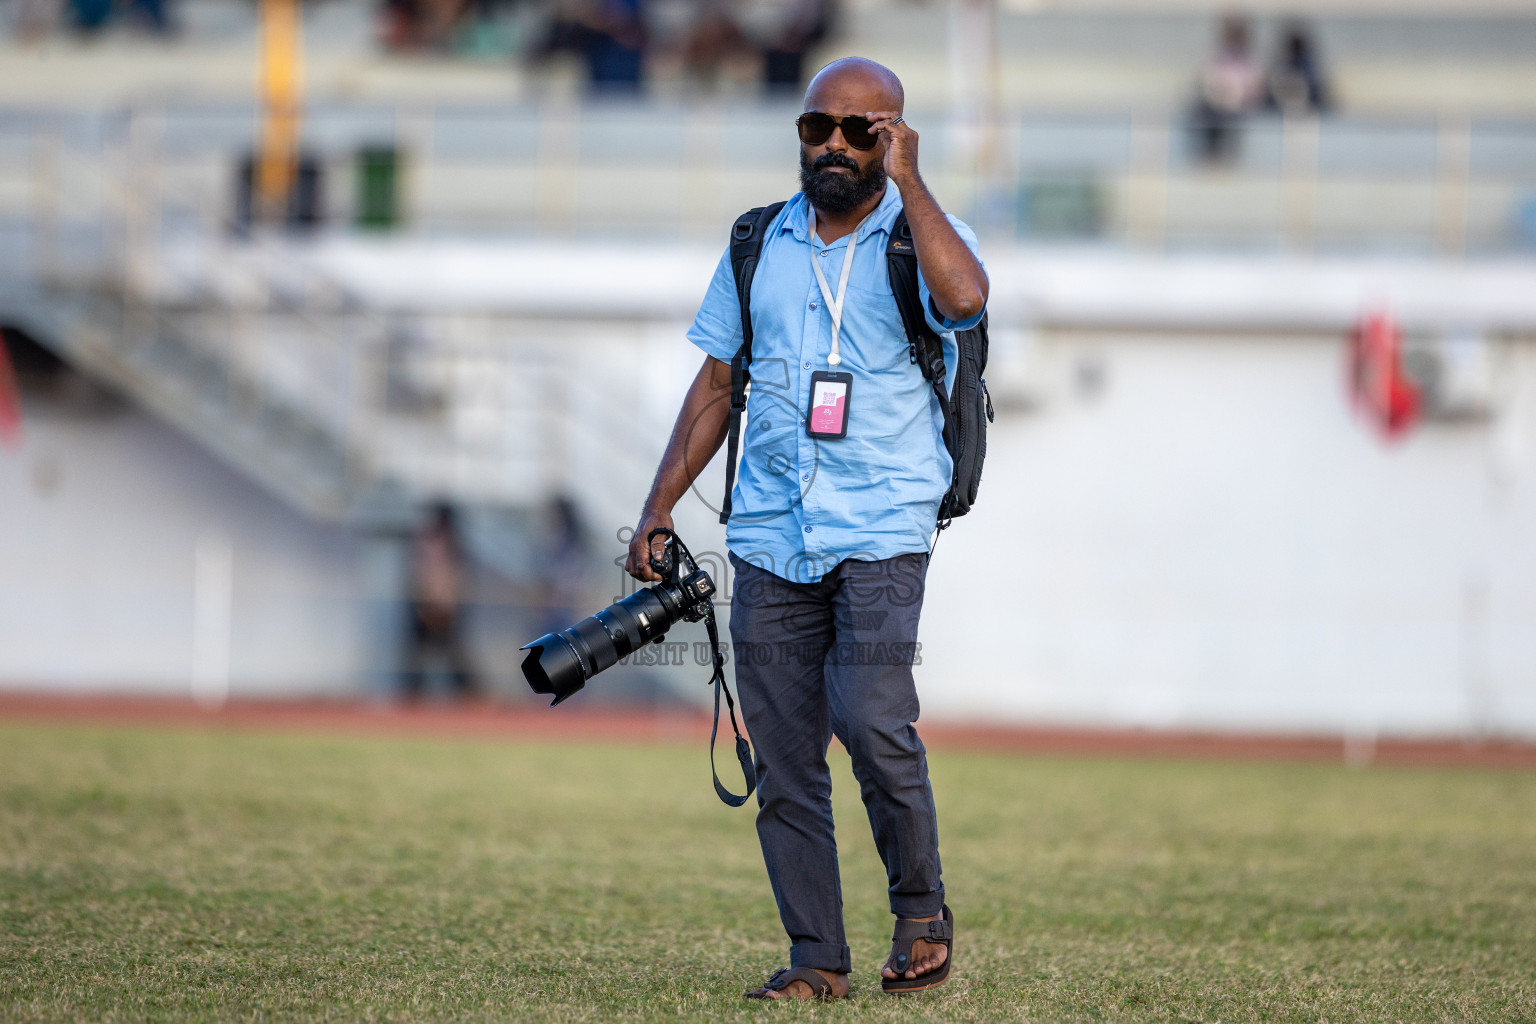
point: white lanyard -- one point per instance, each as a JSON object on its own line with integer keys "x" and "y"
{"x": 834, "y": 305}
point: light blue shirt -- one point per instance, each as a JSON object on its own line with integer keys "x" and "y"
{"x": 801, "y": 505}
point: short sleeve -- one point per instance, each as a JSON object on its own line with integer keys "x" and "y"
{"x": 717, "y": 327}
{"x": 935, "y": 319}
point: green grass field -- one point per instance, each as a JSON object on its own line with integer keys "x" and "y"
{"x": 180, "y": 875}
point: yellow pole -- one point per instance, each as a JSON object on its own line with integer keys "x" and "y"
{"x": 277, "y": 158}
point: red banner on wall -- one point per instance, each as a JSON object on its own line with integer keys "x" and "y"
{"x": 1381, "y": 390}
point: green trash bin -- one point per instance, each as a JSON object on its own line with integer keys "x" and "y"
{"x": 378, "y": 188}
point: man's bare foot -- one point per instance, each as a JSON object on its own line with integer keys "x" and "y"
{"x": 926, "y": 956}
{"x": 800, "y": 990}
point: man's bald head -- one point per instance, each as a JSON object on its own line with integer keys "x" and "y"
{"x": 855, "y": 85}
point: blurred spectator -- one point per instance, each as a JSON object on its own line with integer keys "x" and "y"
{"x": 564, "y": 568}
{"x": 806, "y": 24}
{"x": 91, "y": 16}
{"x": 1231, "y": 86}
{"x": 1296, "y": 83}
{"x": 36, "y": 19}
{"x": 436, "y": 600}
{"x": 713, "y": 38}
{"x": 410, "y": 25}
{"x": 610, "y": 35}
{"x": 401, "y": 27}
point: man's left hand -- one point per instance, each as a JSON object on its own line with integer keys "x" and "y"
{"x": 901, "y": 147}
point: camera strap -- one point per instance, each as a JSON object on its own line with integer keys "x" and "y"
{"x": 743, "y": 750}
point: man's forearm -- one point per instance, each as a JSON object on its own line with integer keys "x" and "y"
{"x": 954, "y": 276}
{"x": 697, "y": 435}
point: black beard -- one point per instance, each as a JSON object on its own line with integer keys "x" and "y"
{"x": 839, "y": 193}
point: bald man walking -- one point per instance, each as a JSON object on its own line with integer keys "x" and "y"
{"x": 842, "y": 471}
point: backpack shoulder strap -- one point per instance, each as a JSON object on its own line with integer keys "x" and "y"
{"x": 747, "y": 236}
{"x": 924, "y": 347}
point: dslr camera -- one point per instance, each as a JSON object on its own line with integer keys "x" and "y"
{"x": 560, "y": 663}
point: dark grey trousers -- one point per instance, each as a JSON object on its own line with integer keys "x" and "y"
{"x": 814, "y": 660}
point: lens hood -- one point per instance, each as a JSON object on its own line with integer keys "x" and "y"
{"x": 553, "y": 667}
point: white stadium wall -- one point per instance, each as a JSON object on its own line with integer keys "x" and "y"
{"x": 1173, "y": 531}
{"x": 1207, "y": 537}
{"x": 131, "y": 560}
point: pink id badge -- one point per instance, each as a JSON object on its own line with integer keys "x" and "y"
{"x": 826, "y": 418}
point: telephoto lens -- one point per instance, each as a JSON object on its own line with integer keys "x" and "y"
{"x": 560, "y": 663}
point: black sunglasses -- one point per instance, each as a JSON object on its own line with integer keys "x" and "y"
{"x": 816, "y": 128}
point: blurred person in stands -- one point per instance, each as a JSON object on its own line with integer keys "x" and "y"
{"x": 36, "y": 19}
{"x": 1296, "y": 84}
{"x": 92, "y": 16}
{"x": 401, "y": 26}
{"x": 411, "y": 25}
{"x": 564, "y": 569}
{"x": 609, "y": 35}
{"x": 714, "y": 38}
{"x": 801, "y": 25}
{"x": 436, "y": 600}
{"x": 1231, "y": 87}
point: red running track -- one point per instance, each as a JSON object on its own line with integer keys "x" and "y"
{"x": 524, "y": 723}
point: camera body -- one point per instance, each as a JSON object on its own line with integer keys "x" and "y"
{"x": 560, "y": 663}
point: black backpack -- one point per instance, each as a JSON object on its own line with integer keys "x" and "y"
{"x": 966, "y": 413}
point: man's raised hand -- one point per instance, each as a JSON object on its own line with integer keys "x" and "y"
{"x": 901, "y": 146}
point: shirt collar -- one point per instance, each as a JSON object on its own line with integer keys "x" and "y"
{"x": 884, "y": 216}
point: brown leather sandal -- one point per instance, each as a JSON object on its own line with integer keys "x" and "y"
{"x": 907, "y": 932}
{"x": 821, "y": 988}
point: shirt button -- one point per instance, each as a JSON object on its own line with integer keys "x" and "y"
{"x": 807, "y": 529}
{"x": 806, "y": 365}
{"x": 825, "y": 251}
{"x": 806, "y": 477}
{"x": 813, "y": 305}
